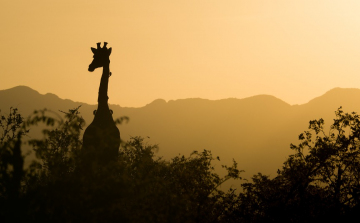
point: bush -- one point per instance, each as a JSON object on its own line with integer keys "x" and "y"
{"x": 137, "y": 187}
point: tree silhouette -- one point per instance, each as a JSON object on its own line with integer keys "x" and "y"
{"x": 11, "y": 164}
{"x": 319, "y": 182}
{"x": 137, "y": 187}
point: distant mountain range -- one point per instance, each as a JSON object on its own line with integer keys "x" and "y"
{"x": 255, "y": 131}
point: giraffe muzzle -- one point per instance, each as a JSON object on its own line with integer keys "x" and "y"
{"x": 91, "y": 69}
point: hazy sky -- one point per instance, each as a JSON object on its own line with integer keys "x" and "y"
{"x": 171, "y": 49}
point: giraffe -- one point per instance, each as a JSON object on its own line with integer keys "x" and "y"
{"x": 101, "y": 140}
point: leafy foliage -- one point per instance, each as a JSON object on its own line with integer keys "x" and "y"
{"x": 138, "y": 187}
{"x": 319, "y": 182}
{"x": 60, "y": 147}
{"x": 11, "y": 161}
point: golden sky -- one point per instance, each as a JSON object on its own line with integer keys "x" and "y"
{"x": 170, "y": 49}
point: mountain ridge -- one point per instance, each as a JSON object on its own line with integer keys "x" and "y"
{"x": 255, "y": 131}
{"x": 30, "y": 90}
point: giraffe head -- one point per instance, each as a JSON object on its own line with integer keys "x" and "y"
{"x": 101, "y": 56}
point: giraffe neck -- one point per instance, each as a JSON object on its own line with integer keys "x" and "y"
{"x": 103, "y": 89}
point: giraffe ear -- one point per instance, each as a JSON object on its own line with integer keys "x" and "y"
{"x": 109, "y": 51}
{"x": 93, "y": 50}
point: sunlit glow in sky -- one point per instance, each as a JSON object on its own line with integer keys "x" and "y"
{"x": 294, "y": 50}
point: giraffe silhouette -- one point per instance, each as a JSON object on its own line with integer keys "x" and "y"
{"x": 101, "y": 140}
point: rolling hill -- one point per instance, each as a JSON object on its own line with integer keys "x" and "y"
{"x": 255, "y": 131}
